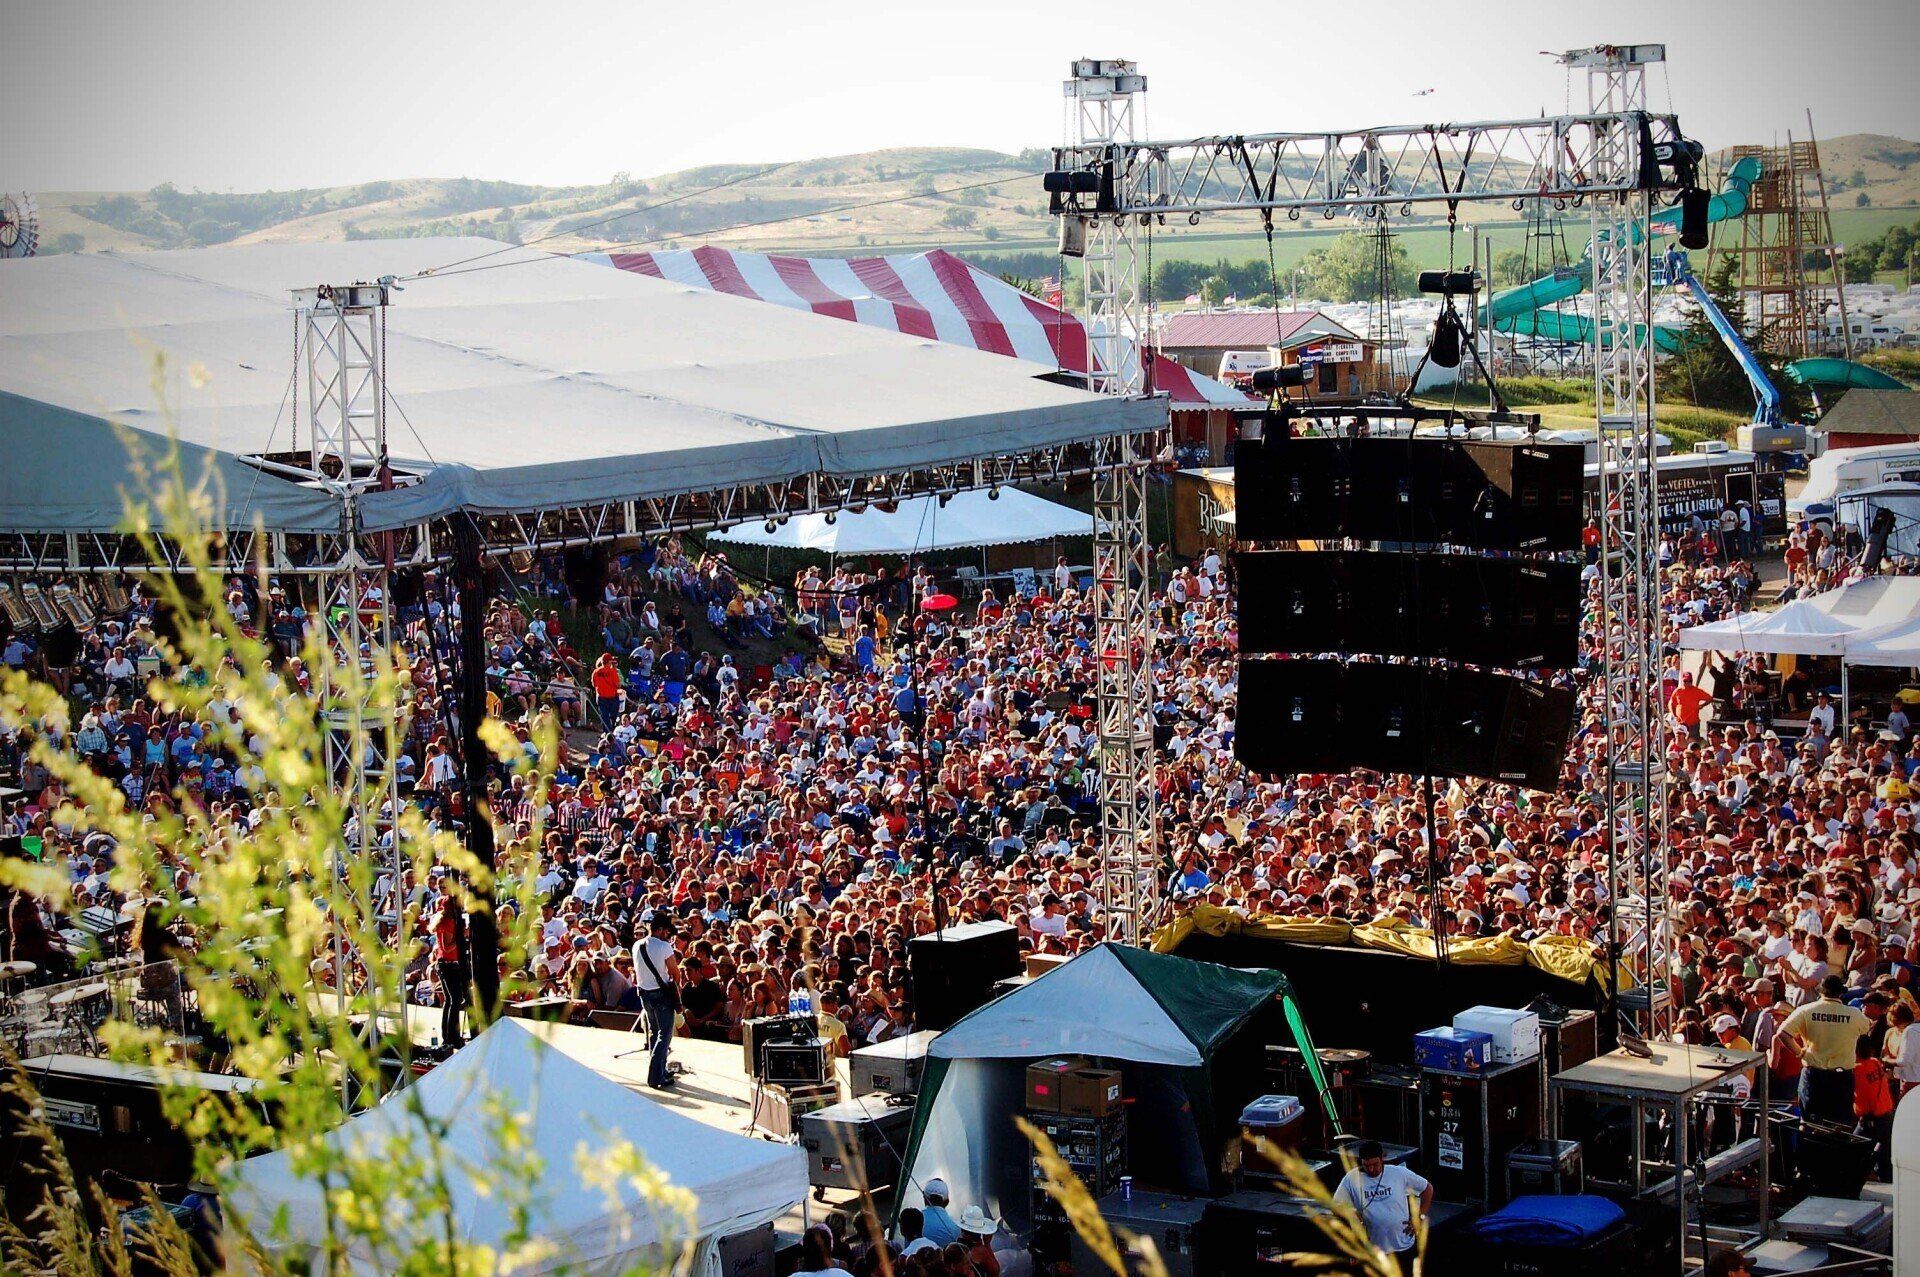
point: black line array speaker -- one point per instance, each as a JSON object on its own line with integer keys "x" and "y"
{"x": 1488, "y": 494}
{"x": 1508, "y": 612}
{"x": 1327, "y": 715}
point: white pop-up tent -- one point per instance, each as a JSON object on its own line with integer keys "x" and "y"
{"x": 923, "y": 524}
{"x": 1906, "y": 1185}
{"x": 1875, "y": 621}
{"x": 1799, "y": 628}
{"x": 570, "y": 1111}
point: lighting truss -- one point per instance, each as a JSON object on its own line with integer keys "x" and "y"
{"x": 1369, "y": 173}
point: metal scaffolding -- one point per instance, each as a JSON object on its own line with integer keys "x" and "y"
{"x": 1614, "y": 160}
{"x": 1101, "y": 96}
{"x": 342, "y": 331}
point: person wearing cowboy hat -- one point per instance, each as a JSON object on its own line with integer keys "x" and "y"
{"x": 977, "y": 1232}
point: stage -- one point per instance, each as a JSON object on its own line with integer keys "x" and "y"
{"x": 713, "y": 1089}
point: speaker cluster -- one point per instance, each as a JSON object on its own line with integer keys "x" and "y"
{"x": 1438, "y": 618}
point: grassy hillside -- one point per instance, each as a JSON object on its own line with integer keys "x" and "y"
{"x": 832, "y": 204}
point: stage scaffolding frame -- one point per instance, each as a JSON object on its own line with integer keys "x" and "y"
{"x": 1615, "y": 159}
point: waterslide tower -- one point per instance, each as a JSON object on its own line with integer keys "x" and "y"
{"x": 1789, "y": 265}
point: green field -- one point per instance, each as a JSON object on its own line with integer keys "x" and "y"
{"x": 1425, "y": 243}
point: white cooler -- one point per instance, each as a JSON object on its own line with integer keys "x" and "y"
{"x": 1515, "y": 1034}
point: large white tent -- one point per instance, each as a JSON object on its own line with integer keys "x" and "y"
{"x": 568, "y": 1109}
{"x": 540, "y": 382}
{"x": 923, "y": 524}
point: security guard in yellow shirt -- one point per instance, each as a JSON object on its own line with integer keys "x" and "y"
{"x": 1823, "y": 1032}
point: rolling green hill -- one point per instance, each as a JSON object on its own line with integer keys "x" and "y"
{"x": 981, "y": 202}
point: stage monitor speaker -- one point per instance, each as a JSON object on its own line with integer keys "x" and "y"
{"x": 1293, "y": 716}
{"x": 1325, "y": 715}
{"x": 1510, "y": 613}
{"x": 954, "y": 970}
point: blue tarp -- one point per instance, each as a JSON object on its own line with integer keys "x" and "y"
{"x": 1550, "y": 1221}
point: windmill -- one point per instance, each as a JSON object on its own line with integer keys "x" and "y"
{"x": 19, "y": 225}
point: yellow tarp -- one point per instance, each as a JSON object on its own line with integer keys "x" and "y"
{"x": 1564, "y": 956}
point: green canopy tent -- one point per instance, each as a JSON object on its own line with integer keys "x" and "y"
{"x": 1190, "y": 1037}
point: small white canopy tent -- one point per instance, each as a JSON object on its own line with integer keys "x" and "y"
{"x": 922, "y": 525}
{"x": 1799, "y": 628}
{"x": 568, "y": 1108}
{"x": 1872, "y": 602}
{"x": 1875, "y": 621}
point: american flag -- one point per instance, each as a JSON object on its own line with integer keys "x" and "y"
{"x": 1051, "y": 292}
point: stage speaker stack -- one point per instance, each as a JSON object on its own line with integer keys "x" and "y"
{"x": 954, "y": 970}
{"x": 1453, "y": 622}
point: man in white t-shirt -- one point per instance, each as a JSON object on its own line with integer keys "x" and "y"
{"x": 1049, "y": 920}
{"x": 1384, "y": 1195}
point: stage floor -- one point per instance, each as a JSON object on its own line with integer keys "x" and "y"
{"x": 713, "y": 1089}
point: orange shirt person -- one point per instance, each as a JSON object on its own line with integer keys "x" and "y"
{"x": 1687, "y": 701}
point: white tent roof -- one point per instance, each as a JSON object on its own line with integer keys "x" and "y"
{"x": 1872, "y": 603}
{"x": 1896, "y": 645}
{"x": 739, "y": 1182}
{"x": 1869, "y": 622}
{"x": 1798, "y": 627}
{"x": 1035, "y": 1020}
{"x": 922, "y": 524}
{"x": 537, "y": 383}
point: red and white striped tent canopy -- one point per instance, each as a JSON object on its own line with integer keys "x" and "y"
{"x": 933, "y": 294}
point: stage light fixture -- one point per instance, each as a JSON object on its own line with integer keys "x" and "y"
{"x": 1280, "y": 377}
{"x": 771, "y": 525}
{"x": 833, "y": 517}
{"x": 1449, "y": 282}
{"x": 1694, "y": 202}
{"x": 993, "y": 493}
{"x": 1073, "y": 237}
{"x": 1444, "y": 350}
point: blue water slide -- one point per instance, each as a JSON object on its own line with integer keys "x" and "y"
{"x": 1766, "y": 396}
{"x": 1526, "y": 310}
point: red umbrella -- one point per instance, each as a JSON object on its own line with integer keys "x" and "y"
{"x": 939, "y": 603}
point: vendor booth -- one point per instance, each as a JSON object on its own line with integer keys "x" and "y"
{"x": 1187, "y": 1036}
{"x": 564, "y": 1108}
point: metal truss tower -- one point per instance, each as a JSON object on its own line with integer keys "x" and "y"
{"x": 1613, "y": 160}
{"x": 342, "y": 333}
{"x": 1101, "y": 96}
{"x": 1639, "y": 926}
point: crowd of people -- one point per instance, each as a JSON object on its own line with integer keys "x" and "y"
{"x": 778, "y": 788}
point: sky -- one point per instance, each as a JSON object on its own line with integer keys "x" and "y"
{"x": 223, "y": 95}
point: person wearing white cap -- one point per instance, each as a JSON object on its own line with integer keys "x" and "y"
{"x": 1726, "y": 1029}
{"x": 936, "y": 1225}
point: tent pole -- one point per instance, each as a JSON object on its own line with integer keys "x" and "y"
{"x": 1844, "y": 727}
